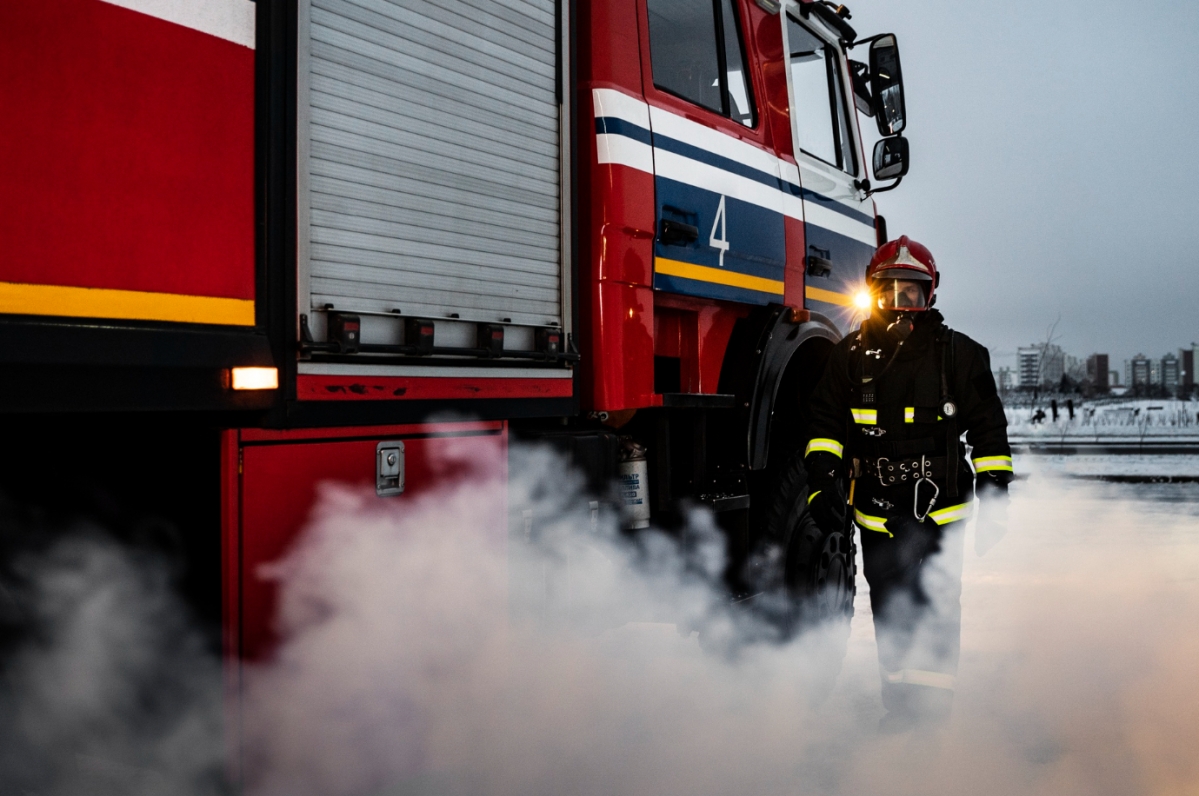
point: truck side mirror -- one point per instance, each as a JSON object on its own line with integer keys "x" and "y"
{"x": 886, "y": 82}
{"x": 891, "y": 158}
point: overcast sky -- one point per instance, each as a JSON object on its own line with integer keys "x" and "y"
{"x": 1055, "y": 167}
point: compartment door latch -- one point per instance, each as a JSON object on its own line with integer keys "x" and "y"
{"x": 389, "y": 468}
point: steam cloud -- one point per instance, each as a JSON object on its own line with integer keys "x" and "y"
{"x": 427, "y": 652}
{"x": 111, "y": 691}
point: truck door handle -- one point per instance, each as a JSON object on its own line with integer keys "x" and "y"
{"x": 819, "y": 266}
{"x": 676, "y": 233}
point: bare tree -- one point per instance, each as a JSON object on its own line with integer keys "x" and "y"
{"x": 1051, "y": 337}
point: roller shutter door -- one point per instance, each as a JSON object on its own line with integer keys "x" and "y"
{"x": 430, "y": 159}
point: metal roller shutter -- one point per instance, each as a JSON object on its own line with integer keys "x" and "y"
{"x": 430, "y": 154}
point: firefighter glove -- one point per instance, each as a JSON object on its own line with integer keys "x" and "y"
{"x": 992, "y": 491}
{"x": 826, "y": 503}
{"x": 827, "y": 508}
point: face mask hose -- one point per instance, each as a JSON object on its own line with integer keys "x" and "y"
{"x": 901, "y": 327}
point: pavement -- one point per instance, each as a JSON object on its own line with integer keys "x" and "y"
{"x": 1079, "y": 645}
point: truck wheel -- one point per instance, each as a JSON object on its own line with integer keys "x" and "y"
{"x": 819, "y": 565}
{"x": 818, "y": 580}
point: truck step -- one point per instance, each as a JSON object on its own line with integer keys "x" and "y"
{"x": 689, "y": 400}
{"x": 723, "y": 503}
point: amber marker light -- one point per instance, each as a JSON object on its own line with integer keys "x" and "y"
{"x": 861, "y": 300}
{"x": 254, "y": 378}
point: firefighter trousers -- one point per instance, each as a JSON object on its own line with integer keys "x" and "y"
{"x": 915, "y": 578}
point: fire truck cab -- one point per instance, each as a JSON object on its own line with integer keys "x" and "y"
{"x": 726, "y": 226}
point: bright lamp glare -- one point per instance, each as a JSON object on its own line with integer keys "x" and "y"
{"x": 861, "y": 300}
{"x": 255, "y": 379}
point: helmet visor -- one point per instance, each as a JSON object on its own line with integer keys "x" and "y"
{"x": 900, "y": 294}
{"x": 902, "y": 273}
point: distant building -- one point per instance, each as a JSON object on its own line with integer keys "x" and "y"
{"x": 1053, "y": 365}
{"x": 1005, "y": 379}
{"x": 1187, "y": 372}
{"x": 1075, "y": 369}
{"x": 1138, "y": 374}
{"x": 1114, "y": 379}
{"x": 1097, "y": 372}
{"x": 1028, "y": 361}
{"x": 1040, "y": 365}
{"x": 1170, "y": 377}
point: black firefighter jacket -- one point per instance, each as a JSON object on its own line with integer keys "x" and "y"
{"x": 902, "y": 426}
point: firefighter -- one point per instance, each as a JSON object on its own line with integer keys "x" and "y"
{"x": 887, "y": 418}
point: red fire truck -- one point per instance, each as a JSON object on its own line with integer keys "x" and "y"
{"x": 252, "y": 246}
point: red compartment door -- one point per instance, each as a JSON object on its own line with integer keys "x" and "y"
{"x": 269, "y": 502}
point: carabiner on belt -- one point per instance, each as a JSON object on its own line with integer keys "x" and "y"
{"x": 925, "y": 476}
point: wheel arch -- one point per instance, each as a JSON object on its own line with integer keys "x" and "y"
{"x": 771, "y": 363}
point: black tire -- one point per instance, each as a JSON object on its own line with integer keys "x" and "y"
{"x": 819, "y": 566}
{"x": 817, "y": 582}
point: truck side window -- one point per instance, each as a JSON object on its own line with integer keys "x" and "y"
{"x": 820, "y": 111}
{"x": 696, "y": 54}
{"x": 741, "y": 108}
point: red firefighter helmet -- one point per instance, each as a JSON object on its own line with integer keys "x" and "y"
{"x": 902, "y": 276}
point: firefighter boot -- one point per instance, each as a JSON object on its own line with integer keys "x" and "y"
{"x": 915, "y": 590}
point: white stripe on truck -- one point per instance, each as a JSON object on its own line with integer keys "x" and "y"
{"x": 622, "y": 150}
{"x": 232, "y": 20}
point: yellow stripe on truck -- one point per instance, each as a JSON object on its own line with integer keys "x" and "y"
{"x": 702, "y": 273}
{"x": 828, "y": 296}
{"x": 92, "y": 302}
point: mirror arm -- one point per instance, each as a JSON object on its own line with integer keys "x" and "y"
{"x": 863, "y": 95}
{"x": 891, "y": 187}
{"x": 869, "y": 40}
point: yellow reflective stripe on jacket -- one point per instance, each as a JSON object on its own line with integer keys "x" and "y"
{"x": 865, "y": 417}
{"x": 987, "y": 464}
{"x": 812, "y": 496}
{"x": 826, "y": 445}
{"x": 920, "y": 677}
{"x": 951, "y": 514}
{"x": 871, "y": 523}
{"x": 909, "y": 415}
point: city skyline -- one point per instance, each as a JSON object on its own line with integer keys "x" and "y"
{"x": 1047, "y": 366}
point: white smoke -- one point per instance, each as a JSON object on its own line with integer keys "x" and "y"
{"x": 112, "y": 692}
{"x": 427, "y": 651}
{"x": 423, "y": 644}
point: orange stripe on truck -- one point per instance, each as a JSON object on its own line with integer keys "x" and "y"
{"x": 828, "y": 296}
{"x": 90, "y": 302}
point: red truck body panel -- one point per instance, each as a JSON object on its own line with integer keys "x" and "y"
{"x": 391, "y": 388}
{"x": 127, "y": 183}
{"x": 616, "y": 207}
